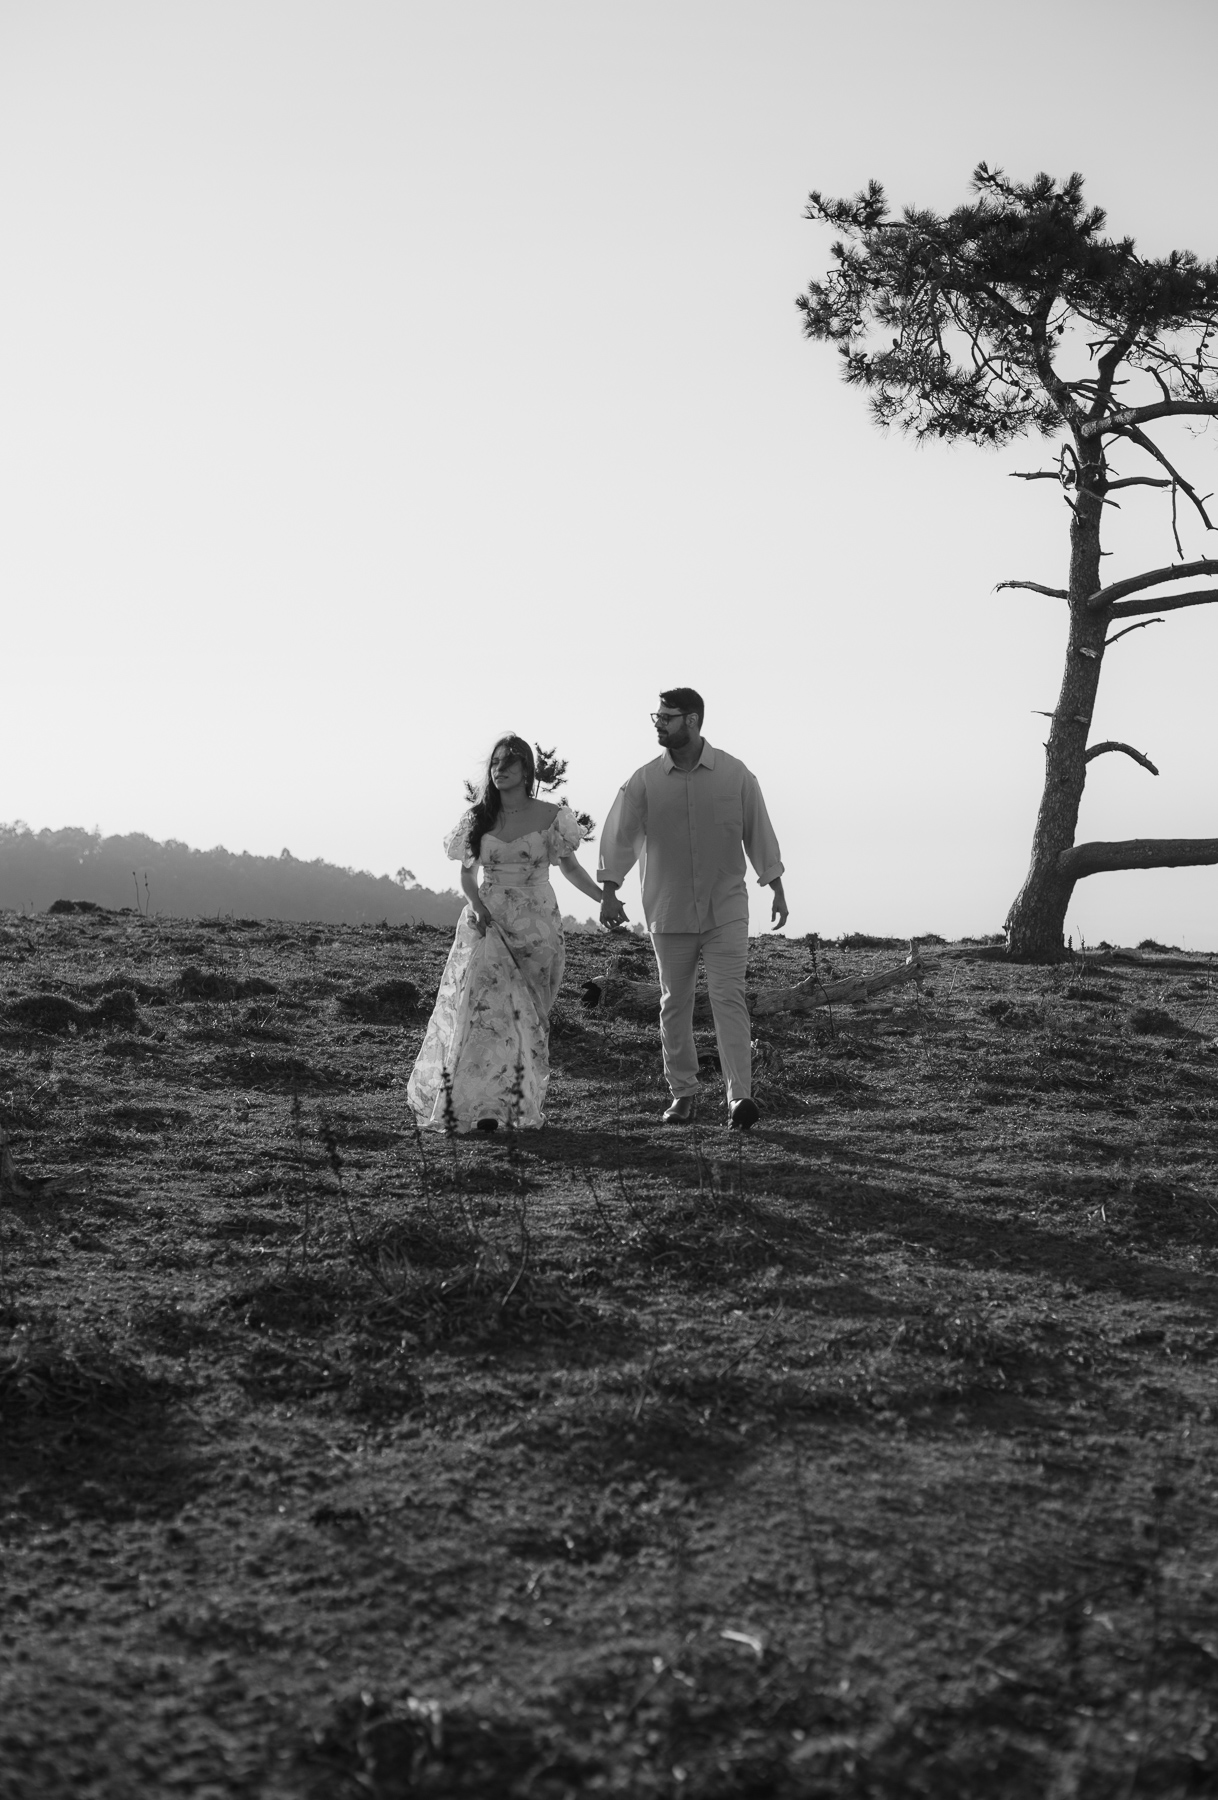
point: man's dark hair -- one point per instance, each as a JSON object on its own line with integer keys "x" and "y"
{"x": 686, "y": 700}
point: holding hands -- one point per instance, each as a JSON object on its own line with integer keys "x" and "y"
{"x": 613, "y": 913}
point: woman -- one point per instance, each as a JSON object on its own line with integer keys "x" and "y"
{"x": 485, "y": 1060}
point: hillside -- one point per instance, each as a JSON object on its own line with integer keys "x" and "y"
{"x": 872, "y": 1455}
{"x": 38, "y": 868}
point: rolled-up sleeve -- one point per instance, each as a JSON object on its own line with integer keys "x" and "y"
{"x": 625, "y": 831}
{"x": 760, "y": 843}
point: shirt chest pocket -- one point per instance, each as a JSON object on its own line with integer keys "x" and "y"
{"x": 727, "y": 811}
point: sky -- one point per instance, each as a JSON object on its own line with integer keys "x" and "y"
{"x": 379, "y": 377}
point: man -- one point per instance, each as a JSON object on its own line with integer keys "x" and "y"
{"x": 688, "y": 818}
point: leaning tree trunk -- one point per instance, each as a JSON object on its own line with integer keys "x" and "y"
{"x": 1037, "y": 921}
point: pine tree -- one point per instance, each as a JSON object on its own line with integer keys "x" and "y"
{"x": 973, "y": 325}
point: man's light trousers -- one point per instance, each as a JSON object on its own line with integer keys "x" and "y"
{"x": 724, "y": 950}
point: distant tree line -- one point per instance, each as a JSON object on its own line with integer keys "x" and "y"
{"x": 39, "y": 867}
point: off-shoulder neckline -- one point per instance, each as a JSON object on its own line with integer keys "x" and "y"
{"x": 537, "y": 831}
{"x": 515, "y": 840}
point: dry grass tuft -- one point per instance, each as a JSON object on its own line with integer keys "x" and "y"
{"x": 50, "y": 1369}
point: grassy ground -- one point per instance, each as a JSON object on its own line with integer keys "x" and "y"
{"x": 871, "y": 1454}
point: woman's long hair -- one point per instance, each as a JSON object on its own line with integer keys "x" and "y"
{"x": 485, "y": 809}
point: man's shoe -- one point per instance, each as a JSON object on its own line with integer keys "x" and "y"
{"x": 742, "y": 1115}
{"x": 680, "y": 1112}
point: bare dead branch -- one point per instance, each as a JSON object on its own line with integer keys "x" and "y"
{"x": 1145, "y": 415}
{"x": 1152, "y": 449}
{"x": 1133, "y": 584}
{"x": 1035, "y": 475}
{"x": 1125, "y": 749}
{"x": 1140, "y": 626}
{"x": 1158, "y": 379}
{"x": 1159, "y": 481}
{"x": 1130, "y": 609}
{"x": 1137, "y": 853}
{"x": 1037, "y": 587}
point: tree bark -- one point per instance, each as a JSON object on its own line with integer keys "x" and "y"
{"x": 1037, "y": 921}
{"x": 1137, "y": 853}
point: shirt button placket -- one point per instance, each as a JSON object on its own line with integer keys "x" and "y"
{"x": 693, "y": 845}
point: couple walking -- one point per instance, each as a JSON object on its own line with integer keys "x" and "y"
{"x": 688, "y": 818}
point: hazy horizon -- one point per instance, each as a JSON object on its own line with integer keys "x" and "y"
{"x": 173, "y": 879}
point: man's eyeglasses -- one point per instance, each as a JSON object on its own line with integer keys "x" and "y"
{"x": 665, "y": 718}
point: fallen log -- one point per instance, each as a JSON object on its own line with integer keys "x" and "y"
{"x": 616, "y": 994}
{"x": 806, "y": 996}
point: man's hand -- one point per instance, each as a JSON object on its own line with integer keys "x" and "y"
{"x": 780, "y": 909}
{"x": 613, "y": 913}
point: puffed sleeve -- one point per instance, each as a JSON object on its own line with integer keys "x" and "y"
{"x": 564, "y": 836}
{"x": 456, "y": 844}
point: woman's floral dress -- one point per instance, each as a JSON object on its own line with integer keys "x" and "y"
{"x": 490, "y": 1028}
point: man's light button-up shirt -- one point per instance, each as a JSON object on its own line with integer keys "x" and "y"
{"x": 690, "y": 832}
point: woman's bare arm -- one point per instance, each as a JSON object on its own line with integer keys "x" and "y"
{"x": 579, "y": 877}
{"x": 469, "y": 887}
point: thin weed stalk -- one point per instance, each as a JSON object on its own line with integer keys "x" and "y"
{"x": 424, "y": 1171}
{"x": 526, "y": 1245}
{"x": 1162, "y": 1495}
{"x": 617, "y": 1107}
{"x": 360, "y": 1254}
{"x": 334, "y": 1158}
{"x": 302, "y": 1185}
{"x": 608, "y": 1224}
{"x": 515, "y": 1111}
{"x": 450, "y": 1123}
{"x": 699, "y": 1159}
{"x": 643, "y": 1386}
{"x": 813, "y": 947}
